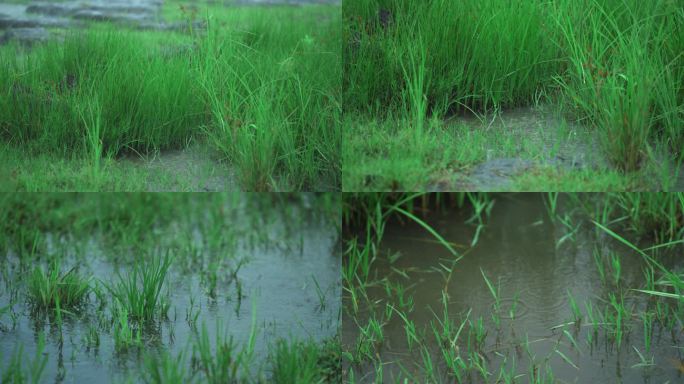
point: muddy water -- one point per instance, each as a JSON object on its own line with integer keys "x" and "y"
{"x": 279, "y": 298}
{"x": 517, "y": 251}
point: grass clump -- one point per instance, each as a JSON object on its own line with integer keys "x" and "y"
{"x": 49, "y": 289}
{"x": 140, "y": 292}
{"x": 220, "y": 364}
{"x": 612, "y": 66}
{"x": 15, "y": 372}
{"x": 165, "y": 368}
{"x": 262, "y": 93}
{"x": 617, "y": 79}
{"x": 305, "y": 362}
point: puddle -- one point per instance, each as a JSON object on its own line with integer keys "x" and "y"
{"x": 518, "y": 252}
{"x": 285, "y": 255}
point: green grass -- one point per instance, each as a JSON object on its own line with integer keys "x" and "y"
{"x": 220, "y": 364}
{"x": 147, "y": 238}
{"x": 263, "y": 92}
{"x": 125, "y": 334}
{"x": 19, "y": 370}
{"x": 461, "y": 347}
{"x": 51, "y": 288}
{"x": 140, "y": 292}
{"x": 614, "y": 66}
{"x": 165, "y": 368}
{"x": 302, "y": 362}
{"x": 27, "y": 172}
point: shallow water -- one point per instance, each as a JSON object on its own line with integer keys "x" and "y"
{"x": 284, "y": 259}
{"x": 518, "y": 250}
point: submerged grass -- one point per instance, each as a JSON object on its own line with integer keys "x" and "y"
{"x": 148, "y": 238}
{"x": 18, "y": 370}
{"x": 446, "y": 347}
{"x": 264, "y": 92}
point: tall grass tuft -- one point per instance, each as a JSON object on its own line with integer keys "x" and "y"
{"x": 104, "y": 85}
{"x": 49, "y": 289}
{"x": 617, "y": 79}
{"x": 165, "y": 368}
{"x": 296, "y": 362}
{"x": 613, "y": 65}
{"x": 264, "y": 92}
{"x": 140, "y": 292}
{"x": 220, "y": 364}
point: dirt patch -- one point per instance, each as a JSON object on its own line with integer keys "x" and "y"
{"x": 190, "y": 169}
{"x": 535, "y": 137}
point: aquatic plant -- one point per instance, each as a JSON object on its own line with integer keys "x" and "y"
{"x": 464, "y": 349}
{"x": 296, "y": 362}
{"x": 220, "y": 364}
{"x": 447, "y": 337}
{"x": 319, "y": 292}
{"x": 140, "y": 292}
{"x": 575, "y": 308}
{"x": 496, "y": 294}
{"x": 50, "y": 288}
{"x": 16, "y": 372}
{"x": 165, "y": 368}
{"x": 125, "y": 335}
{"x": 671, "y": 278}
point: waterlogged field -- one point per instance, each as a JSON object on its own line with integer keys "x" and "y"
{"x": 175, "y": 95}
{"x": 503, "y": 288}
{"x": 170, "y": 288}
{"x": 434, "y": 92}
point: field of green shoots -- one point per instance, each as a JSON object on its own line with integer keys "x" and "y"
{"x": 253, "y": 92}
{"x": 428, "y": 87}
{"x": 513, "y": 288}
{"x": 169, "y": 288}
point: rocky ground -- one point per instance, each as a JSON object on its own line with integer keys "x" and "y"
{"x": 33, "y": 21}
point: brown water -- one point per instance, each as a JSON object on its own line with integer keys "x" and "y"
{"x": 284, "y": 258}
{"x": 518, "y": 250}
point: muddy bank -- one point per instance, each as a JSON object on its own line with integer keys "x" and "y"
{"x": 529, "y": 138}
